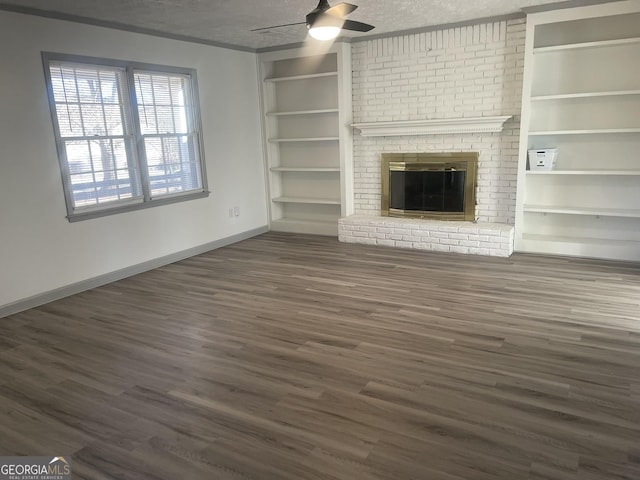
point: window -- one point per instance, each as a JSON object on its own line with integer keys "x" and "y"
{"x": 128, "y": 134}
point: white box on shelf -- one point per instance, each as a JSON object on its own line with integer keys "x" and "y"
{"x": 543, "y": 159}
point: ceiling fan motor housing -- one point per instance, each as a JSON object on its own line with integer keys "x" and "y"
{"x": 324, "y": 15}
{"x": 318, "y": 18}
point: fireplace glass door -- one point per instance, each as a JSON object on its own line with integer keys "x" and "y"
{"x": 427, "y": 191}
{"x": 429, "y": 185}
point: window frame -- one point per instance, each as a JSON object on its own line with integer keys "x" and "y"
{"x": 130, "y": 107}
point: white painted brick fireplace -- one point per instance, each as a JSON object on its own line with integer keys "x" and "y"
{"x": 455, "y": 73}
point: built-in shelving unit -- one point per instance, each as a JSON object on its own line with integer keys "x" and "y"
{"x": 581, "y": 96}
{"x": 307, "y": 113}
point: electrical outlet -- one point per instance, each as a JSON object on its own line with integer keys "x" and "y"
{"x": 236, "y": 211}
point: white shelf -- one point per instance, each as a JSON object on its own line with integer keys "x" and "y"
{"x": 304, "y": 112}
{"x": 586, "y": 132}
{"x": 566, "y": 239}
{"x": 319, "y": 201}
{"x": 598, "y": 44}
{"x": 301, "y": 77}
{"x": 314, "y": 227}
{"x": 600, "y": 212}
{"x": 566, "y": 96}
{"x": 624, "y": 173}
{"x": 627, "y": 250}
{"x": 305, "y": 169}
{"x": 304, "y": 139}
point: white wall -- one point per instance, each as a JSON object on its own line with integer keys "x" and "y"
{"x": 471, "y": 71}
{"x": 39, "y": 249}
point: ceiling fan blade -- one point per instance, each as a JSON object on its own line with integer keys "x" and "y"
{"x": 357, "y": 26}
{"x": 341, "y": 9}
{"x": 278, "y": 26}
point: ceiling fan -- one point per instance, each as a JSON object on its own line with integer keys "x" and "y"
{"x": 325, "y": 22}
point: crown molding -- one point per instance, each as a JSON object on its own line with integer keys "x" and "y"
{"x": 54, "y": 15}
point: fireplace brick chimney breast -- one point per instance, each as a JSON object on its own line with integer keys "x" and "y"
{"x": 469, "y": 71}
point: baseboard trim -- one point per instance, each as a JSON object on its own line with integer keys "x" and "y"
{"x": 58, "y": 293}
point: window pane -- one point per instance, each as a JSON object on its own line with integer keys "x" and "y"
{"x": 109, "y": 87}
{"x": 147, "y": 117}
{"x": 161, "y": 93}
{"x": 161, "y": 103}
{"x": 84, "y": 191}
{"x": 88, "y": 100}
{"x": 177, "y": 90}
{"x": 93, "y": 120}
{"x": 64, "y": 84}
{"x": 96, "y": 171}
{"x": 180, "y": 119}
{"x": 69, "y": 120}
{"x": 113, "y": 118}
{"x": 172, "y": 165}
{"x": 88, "y": 85}
{"x": 144, "y": 89}
{"x": 79, "y": 157}
{"x": 165, "y": 120}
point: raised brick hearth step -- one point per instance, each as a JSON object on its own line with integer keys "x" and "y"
{"x": 492, "y": 239}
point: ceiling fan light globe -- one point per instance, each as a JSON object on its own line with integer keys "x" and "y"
{"x": 324, "y": 33}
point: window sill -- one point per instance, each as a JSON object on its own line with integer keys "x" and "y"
{"x": 88, "y": 215}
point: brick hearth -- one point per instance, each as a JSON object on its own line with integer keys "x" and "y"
{"x": 493, "y": 239}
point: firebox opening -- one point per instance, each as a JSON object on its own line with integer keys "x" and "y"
{"x": 440, "y": 186}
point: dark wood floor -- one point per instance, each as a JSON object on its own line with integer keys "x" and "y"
{"x": 296, "y": 357}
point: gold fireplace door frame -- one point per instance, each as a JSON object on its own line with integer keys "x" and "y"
{"x": 467, "y": 161}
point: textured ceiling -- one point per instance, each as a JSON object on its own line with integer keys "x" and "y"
{"x": 230, "y": 21}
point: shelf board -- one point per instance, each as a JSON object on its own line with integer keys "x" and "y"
{"x": 305, "y": 169}
{"x": 598, "y": 44}
{"x": 585, "y": 132}
{"x": 585, "y": 172}
{"x": 310, "y": 226}
{"x": 304, "y": 139}
{"x": 612, "y": 93}
{"x": 578, "y": 241}
{"x": 601, "y": 212}
{"x": 301, "y": 77}
{"x": 303, "y": 112}
{"x": 320, "y": 201}
{"x": 588, "y": 240}
{"x": 627, "y": 250}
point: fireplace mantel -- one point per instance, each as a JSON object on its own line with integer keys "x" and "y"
{"x": 432, "y": 127}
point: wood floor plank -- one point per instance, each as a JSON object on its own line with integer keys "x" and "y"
{"x": 297, "y": 357}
